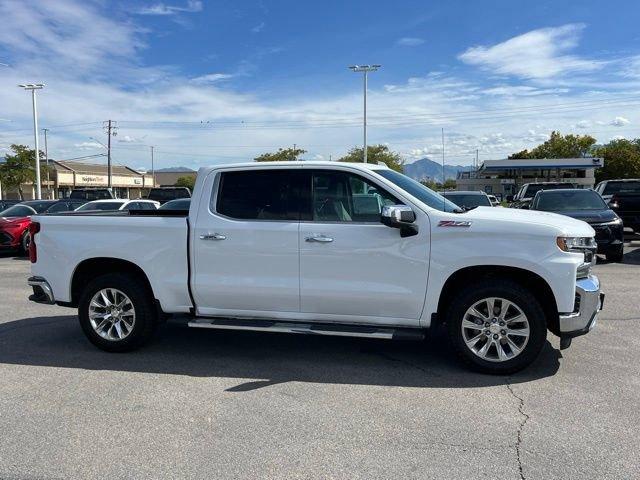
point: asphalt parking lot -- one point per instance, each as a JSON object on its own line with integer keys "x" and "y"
{"x": 207, "y": 404}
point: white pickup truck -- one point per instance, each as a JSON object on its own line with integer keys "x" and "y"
{"x": 324, "y": 248}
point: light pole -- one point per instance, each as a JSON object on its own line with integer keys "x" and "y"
{"x": 33, "y": 87}
{"x": 365, "y": 69}
{"x": 46, "y": 159}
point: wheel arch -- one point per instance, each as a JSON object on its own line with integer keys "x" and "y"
{"x": 91, "y": 268}
{"x": 526, "y": 278}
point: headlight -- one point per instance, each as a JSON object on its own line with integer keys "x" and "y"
{"x": 567, "y": 244}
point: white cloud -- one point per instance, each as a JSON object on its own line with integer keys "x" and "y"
{"x": 258, "y": 28}
{"x": 583, "y": 124}
{"x": 538, "y": 54}
{"x": 619, "y": 122}
{"x": 192, "y": 6}
{"x": 522, "y": 90}
{"x": 100, "y": 75}
{"x": 65, "y": 34}
{"x": 127, "y": 139}
{"x": 88, "y": 145}
{"x": 211, "y": 78}
{"x": 409, "y": 41}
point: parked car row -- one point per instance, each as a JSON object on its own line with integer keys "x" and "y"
{"x": 613, "y": 205}
{"x": 15, "y": 220}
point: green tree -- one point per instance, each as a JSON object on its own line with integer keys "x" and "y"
{"x": 20, "y": 168}
{"x": 560, "y": 146}
{"x": 375, "y": 154}
{"x": 621, "y": 159}
{"x": 449, "y": 184}
{"x": 282, "y": 155}
{"x": 186, "y": 181}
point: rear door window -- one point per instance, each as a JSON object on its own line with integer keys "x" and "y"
{"x": 261, "y": 194}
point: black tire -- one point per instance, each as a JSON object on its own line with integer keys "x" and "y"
{"x": 523, "y": 298}
{"x": 143, "y": 305}
{"x": 25, "y": 240}
{"x": 616, "y": 257}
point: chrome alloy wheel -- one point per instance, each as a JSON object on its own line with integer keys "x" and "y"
{"x": 495, "y": 329}
{"x": 111, "y": 314}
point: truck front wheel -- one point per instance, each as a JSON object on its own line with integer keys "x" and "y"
{"x": 497, "y": 326}
{"x": 116, "y": 312}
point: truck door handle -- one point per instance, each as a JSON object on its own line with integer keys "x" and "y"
{"x": 213, "y": 236}
{"x": 319, "y": 239}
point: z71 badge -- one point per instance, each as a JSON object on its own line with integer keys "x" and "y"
{"x": 454, "y": 223}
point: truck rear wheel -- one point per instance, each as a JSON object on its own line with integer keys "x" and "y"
{"x": 117, "y": 313}
{"x": 497, "y": 327}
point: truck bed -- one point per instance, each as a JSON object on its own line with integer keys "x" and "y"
{"x": 156, "y": 241}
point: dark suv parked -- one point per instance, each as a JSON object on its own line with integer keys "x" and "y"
{"x": 164, "y": 194}
{"x": 89, "y": 194}
{"x": 588, "y": 206}
{"x": 624, "y": 198}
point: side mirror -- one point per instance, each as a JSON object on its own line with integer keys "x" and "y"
{"x": 400, "y": 216}
{"x": 509, "y": 198}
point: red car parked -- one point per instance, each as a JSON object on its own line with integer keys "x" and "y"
{"x": 15, "y": 221}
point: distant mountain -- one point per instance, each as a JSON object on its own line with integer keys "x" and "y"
{"x": 175, "y": 169}
{"x": 427, "y": 169}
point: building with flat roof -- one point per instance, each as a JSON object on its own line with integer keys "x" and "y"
{"x": 65, "y": 175}
{"x": 505, "y": 177}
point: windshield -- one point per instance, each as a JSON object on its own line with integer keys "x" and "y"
{"x": 178, "y": 204}
{"x": 567, "y": 200}
{"x": 100, "y": 206}
{"x": 621, "y": 187}
{"x": 533, "y": 188}
{"x": 62, "y": 207}
{"x": 416, "y": 189}
{"x": 168, "y": 193}
{"x": 468, "y": 200}
{"x": 18, "y": 211}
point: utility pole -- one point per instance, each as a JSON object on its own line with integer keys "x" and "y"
{"x": 365, "y": 69}
{"x": 46, "y": 159}
{"x": 295, "y": 157}
{"x": 444, "y": 208}
{"x": 111, "y": 129}
{"x": 153, "y": 171}
{"x": 33, "y": 87}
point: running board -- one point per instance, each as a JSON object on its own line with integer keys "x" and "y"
{"x": 310, "y": 328}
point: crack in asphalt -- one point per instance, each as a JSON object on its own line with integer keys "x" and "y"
{"x": 525, "y": 419}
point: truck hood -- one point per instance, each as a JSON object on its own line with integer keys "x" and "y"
{"x": 564, "y": 225}
{"x": 591, "y": 216}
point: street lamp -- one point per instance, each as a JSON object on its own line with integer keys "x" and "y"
{"x": 365, "y": 69}
{"x": 33, "y": 87}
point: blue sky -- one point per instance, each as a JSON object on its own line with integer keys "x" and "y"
{"x": 219, "y": 81}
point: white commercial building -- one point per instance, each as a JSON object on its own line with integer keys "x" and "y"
{"x": 505, "y": 177}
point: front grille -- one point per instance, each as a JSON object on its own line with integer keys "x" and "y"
{"x": 576, "y": 304}
{"x": 589, "y": 261}
{"x": 602, "y": 233}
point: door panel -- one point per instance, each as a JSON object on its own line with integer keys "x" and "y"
{"x": 360, "y": 269}
{"x": 249, "y": 263}
{"x": 367, "y": 270}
